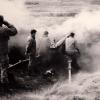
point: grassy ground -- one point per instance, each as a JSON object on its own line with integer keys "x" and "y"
{"x": 83, "y": 87}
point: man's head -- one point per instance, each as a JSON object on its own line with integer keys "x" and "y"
{"x": 71, "y": 34}
{"x": 46, "y": 33}
{"x": 33, "y": 32}
{"x": 1, "y": 20}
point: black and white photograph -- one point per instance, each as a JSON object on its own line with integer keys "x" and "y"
{"x": 49, "y": 49}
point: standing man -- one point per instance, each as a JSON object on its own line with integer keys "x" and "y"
{"x": 31, "y": 52}
{"x": 6, "y": 30}
{"x": 70, "y": 51}
{"x": 44, "y": 49}
{"x": 71, "y": 46}
{"x": 44, "y": 44}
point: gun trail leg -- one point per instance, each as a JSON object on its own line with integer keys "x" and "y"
{"x": 69, "y": 70}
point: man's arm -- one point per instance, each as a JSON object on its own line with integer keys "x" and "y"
{"x": 76, "y": 47}
{"x": 60, "y": 41}
{"x": 28, "y": 46}
{"x": 11, "y": 29}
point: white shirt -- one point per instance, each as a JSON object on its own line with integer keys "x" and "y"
{"x": 70, "y": 44}
{"x": 44, "y": 45}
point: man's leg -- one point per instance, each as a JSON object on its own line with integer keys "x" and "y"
{"x": 4, "y": 66}
{"x": 31, "y": 66}
{"x": 66, "y": 61}
{"x": 1, "y": 73}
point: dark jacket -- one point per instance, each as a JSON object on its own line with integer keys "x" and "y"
{"x": 31, "y": 46}
{"x": 5, "y": 33}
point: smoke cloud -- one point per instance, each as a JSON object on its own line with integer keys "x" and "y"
{"x": 86, "y": 25}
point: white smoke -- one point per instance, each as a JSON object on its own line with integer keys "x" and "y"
{"x": 14, "y": 12}
{"x": 86, "y": 25}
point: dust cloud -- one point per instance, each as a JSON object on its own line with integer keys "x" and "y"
{"x": 85, "y": 24}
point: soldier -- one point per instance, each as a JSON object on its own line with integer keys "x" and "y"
{"x": 44, "y": 44}
{"x": 70, "y": 45}
{"x": 31, "y": 52}
{"x": 70, "y": 51}
{"x": 6, "y": 30}
{"x": 44, "y": 49}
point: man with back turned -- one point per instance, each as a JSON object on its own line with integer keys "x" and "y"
{"x": 71, "y": 51}
{"x": 6, "y": 30}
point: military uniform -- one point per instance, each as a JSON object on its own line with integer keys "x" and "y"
{"x": 71, "y": 52}
{"x": 70, "y": 47}
{"x": 31, "y": 51}
{"x": 44, "y": 51}
{"x": 5, "y": 33}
